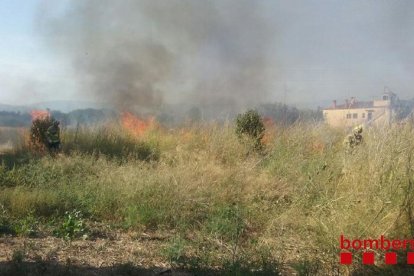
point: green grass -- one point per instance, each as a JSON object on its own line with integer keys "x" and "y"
{"x": 228, "y": 207}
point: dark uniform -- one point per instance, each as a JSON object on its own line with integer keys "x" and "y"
{"x": 53, "y": 136}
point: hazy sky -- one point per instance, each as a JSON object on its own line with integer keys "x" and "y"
{"x": 319, "y": 50}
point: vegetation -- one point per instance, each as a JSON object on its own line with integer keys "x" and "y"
{"x": 404, "y": 109}
{"x": 287, "y": 115}
{"x": 38, "y": 131}
{"x": 250, "y": 125}
{"x": 72, "y": 226}
{"x": 196, "y": 200}
{"x": 14, "y": 119}
{"x": 172, "y": 115}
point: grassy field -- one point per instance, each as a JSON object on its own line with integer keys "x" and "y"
{"x": 196, "y": 200}
{"x": 10, "y": 137}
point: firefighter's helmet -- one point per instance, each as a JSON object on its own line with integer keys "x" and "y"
{"x": 358, "y": 129}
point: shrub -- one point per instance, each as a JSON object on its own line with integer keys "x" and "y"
{"x": 72, "y": 227}
{"x": 250, "y": 125}
{"x": 27, "y": 226}
{"x": 5, "y": 223}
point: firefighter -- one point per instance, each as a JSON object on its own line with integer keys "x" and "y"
{"x": 358, "y": 135}
{"x": 354, "y": 139}
{"x": 53, "y": 136}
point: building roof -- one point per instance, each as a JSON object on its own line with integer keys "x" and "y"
{"x": 353, "y": 105}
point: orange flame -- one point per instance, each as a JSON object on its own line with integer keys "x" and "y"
{"x": 135, "y": 125}
{"x": 39, "y": 114}
{"x": 268, "y": 122}
{"x": 270, "y": 127}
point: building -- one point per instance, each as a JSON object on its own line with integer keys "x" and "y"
{"x": 353, "y": 112}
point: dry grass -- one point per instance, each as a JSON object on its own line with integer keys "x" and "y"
{"x": 221, "y": 205}
{"x": 10, "y": 137}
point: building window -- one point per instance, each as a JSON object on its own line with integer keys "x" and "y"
{"x": 363, "y": 115}
{"x": 385, "y": 98}
{"x": 355, "y": 115}
{"x": 348, "y": 116}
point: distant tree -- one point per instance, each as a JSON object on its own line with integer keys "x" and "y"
{"x": 88, "y": 116}
{"x": 280, "y": 113}
{"x": 310, "y": 115}
{"x": 403, "y": 108}
{"x": 286, "y": 115}
{"x": 14, "y": 119}
{"x": 166, "y": 118}
{"x": 194, "y": 114}
{"x": 61, "y": 117}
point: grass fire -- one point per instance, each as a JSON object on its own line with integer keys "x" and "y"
{"x": 136, "y": 126}
{"x": 203, "y": 199}
{"x": 184, "y": 137}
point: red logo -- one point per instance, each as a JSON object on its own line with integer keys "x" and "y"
{"x": 366, "y": 246}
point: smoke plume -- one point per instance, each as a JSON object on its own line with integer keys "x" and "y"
{"x": 139, "y": 54}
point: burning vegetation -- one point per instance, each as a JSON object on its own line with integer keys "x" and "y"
{"x": 136, "y": 126}
{"x": 39, "y": 115}
{"x": 257, "y": 193}
{"x": 200, "y": 194}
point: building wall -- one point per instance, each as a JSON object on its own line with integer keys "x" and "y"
{"x": 381, "y": 103}
{"x": 352, "y": 117}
